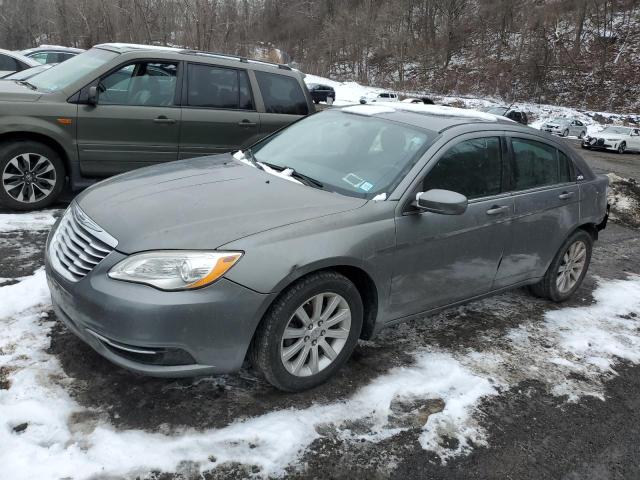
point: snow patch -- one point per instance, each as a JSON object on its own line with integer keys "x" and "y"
{"x": 42, "y": 220}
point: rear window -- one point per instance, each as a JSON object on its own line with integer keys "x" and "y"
{"x": 8, "y": 63}
{"x": 282, "y": 94}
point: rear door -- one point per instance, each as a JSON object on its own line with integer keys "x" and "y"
{"x": 442, "y": 259}
{"x": 546, "y": 201}
{"x": 218, "y": 111}
{"x": 136, "y": 121}
{"x": 283, "y": 98}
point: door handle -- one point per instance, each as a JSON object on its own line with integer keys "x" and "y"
{"x": 498, "y": 209}
{"x": 565, "y": 195}
{"x": 247, "y": 123}
{"x": 163, "y": 119}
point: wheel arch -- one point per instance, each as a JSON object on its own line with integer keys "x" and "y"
{"x": 9, "y": 137}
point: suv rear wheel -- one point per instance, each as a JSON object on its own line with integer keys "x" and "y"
{"x": 309, "y": 332}
{"x": 32, "y": 175}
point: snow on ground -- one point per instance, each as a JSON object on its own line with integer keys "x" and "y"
{"x": 41, "y": 220}
{"x": 350, "y": 92}
{"x": 571, "y": 350}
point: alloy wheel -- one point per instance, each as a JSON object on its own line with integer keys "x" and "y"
{"x": 571, "y": 267}
{"x": 315, "y": 334}
{"x": 29, "y": 177}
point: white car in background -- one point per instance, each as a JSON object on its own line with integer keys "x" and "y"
{"x": 619, "y": 139}
{"x": 14, "y": 62}
{"x": 565, "y": 127}
{"x": 379, "y": 97}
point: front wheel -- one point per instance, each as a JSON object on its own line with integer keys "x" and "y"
{"x": 32, "y": 175}
{"x": 568, "y": 268}
{"x": 565, "y": 133}
{"x": 309, "y": 332}
{"x": 621, "y": 148}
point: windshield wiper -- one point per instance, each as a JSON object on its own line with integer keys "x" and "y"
{"x": 248, "y": 154}
{"x": 307, "y": 180}
{"x": 26, "y": 84}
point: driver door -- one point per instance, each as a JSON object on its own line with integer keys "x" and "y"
{"x": 136, "y": 121}
{"x": 443, "y": 259}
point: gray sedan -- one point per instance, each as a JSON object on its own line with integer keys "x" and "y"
{"x": 343, "y": 223}
{"x": 565, "y": 127}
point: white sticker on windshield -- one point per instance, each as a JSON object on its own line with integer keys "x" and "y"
{"x": 366, "y": 186}
{"x": 353, "y": 180}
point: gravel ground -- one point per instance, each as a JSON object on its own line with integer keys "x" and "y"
{"x": 531, "y": 433}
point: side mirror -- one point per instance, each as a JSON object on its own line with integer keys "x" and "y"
{"x": 92, "y": 97}
{"x": 444, "y": 202}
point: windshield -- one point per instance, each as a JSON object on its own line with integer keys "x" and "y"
{"x": 63, "y": 74}
{"x": 352, "y": 154}
{"x": 618, "y": 130}
{"x": 559, "y": 120}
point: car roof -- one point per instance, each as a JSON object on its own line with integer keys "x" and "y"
{"x": 52, "y": 48}
{"x": 19, "y": 56}
{"x": 436, "y": 118}
{"x": 130, "y": 47}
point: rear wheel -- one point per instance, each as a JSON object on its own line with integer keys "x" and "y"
{"x": 567, "y": 270}
{"x": 622, "y": 147}
{"x": 582, "y": 134}
{"x": 329, "y": 100}
{"x": 309, "y": 332}
{"x": 32, "y": 175}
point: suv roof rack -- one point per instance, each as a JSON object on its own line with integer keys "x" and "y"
{"x": 235, "y": 57}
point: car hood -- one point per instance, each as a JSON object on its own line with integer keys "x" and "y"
{"x": 610, "y": 136}
{"x": 11, "y": 91}
{"x": 201, "y": 203}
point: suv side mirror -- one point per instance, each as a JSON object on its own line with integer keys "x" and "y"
{"x": 92, "y": 97}
{"x": 444, "y": 202}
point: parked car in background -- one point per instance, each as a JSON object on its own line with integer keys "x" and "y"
{"x": 512, "y": 113}
{"x": 343, "y": 223}
{"x": 565, "y": 127}
{"x": 379, "y": 97}
{"x": 118, "y": 107}
{"x": 322, "y": 93}
{"x": 618, "y": 139}
{"x": 51, "y": 53}
{"x": 11, "y": 62}
{"x": 423, "y": 100}
{"x": 28, "y": 72}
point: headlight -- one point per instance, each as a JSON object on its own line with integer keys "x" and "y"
{"x": 175, "y": 269}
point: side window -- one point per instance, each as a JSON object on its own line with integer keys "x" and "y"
{"x": 8, "y": 63}
{"x": 537, "y": 164}
{"x": 472, "y": 168}
{"x": 40, "y": 57}
{"x": 281, "y": 94}
{"x": 149, "y": 84}
{"x": 565, "y": 172}
{"x": 216, "y": 87}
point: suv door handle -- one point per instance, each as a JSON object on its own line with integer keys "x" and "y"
{"x": 163, "y": 119}
{"x": 247, "y": 123}
{"x": 565, "y": 195}
{"x": 498, "y": 209}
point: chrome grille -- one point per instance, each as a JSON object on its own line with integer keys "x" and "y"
{"x": 78, "y": 244}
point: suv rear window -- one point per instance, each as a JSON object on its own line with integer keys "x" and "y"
{"x": 216, "y": 87}
{"x": 282, "y": 94}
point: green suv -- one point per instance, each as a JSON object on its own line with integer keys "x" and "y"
{"x": 118, "y": 107}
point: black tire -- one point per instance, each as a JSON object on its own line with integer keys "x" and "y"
{"x": 622, "y": 147}
{"x": 565, "y": 133}
{"x": 581, "y": 136}
{"x": 264, "y": 352}
{"x": 547, "y": 287}
{"x": 11, "y": 150}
